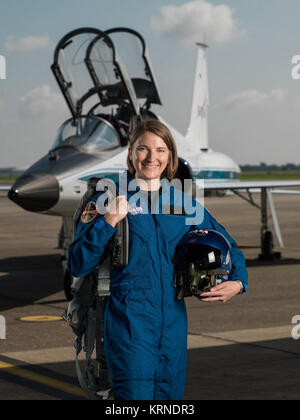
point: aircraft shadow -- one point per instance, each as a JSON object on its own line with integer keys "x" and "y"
{"x": 265, "y": 370}
{"x": 25, "y": 280}
{"x": 31, "y": 390}
{"x": 253, "y": 371}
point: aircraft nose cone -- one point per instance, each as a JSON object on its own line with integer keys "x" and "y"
{"x": 35, "y": 192}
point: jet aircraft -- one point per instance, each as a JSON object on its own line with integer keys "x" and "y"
{"x": 109, "y": 85}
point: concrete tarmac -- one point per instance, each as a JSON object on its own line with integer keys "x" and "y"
{"x": 242, "y": 349}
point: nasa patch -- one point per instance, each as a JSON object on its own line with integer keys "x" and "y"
{"x": 135, "y": 211}
{"x": 90, "y": 213}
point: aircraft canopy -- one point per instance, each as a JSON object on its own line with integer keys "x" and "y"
{"x": 131, "y": 47}
{"x": 106, "y": 68}
{"x": 83, "y": 72}
{"x": 90, "y": 133}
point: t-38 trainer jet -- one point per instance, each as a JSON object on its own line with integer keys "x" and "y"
{"x": 108, "y": 84}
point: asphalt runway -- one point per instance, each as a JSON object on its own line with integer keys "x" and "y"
{"x": 242, "y": 349}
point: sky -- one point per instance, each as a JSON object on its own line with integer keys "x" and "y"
{"x": 254, "y": 100}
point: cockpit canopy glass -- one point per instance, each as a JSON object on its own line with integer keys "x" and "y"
{"x": 86, "y": 65}
{"x": 131, "y": 48}
{"x": 89, "y": 133}
{"x": 108, "y": 72}
{"x": 71, "y": 62}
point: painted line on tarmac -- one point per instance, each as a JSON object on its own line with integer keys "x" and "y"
{"x": 289, "y": 248}
{"x": 40, "y": 357}
{"x": 277, "y": 339}
{"x": 40, "y": 318}
{"x": 57, "y": 384}
{"x": 277, "y": 248}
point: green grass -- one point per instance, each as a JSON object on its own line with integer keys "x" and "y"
{"x": 246, "y": 176}
{"x": 8, "y": 178}
{"x": 270, "y": 175}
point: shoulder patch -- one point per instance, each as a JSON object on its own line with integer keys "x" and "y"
{"x": 90, "y": 212}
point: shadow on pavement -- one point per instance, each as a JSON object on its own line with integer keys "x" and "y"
{"x": 253, "y": 371}
{"x": 25, "y": 280}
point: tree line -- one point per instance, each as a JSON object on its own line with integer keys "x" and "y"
{"x": 273, "y": 167}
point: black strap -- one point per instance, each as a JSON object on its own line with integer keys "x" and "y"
{"x": 96, "y": 382}
{"x": 105, "y": 384}
{"x": 82, "y": 382}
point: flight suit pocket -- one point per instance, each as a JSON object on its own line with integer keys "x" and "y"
{"x": 145, "y": 317}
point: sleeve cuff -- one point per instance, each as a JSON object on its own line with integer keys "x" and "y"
{"x": 101, "y": 224}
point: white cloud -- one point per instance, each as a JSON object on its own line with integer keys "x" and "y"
{"x": 254, "y": 98}
{"x": 41, "y": 102}
{"x": 29, "y": 43}
{"x": 197, "y": 21}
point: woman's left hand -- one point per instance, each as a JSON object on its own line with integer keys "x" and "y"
{"x": 222, "y": 293}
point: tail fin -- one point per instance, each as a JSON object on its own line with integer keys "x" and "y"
{"x": 197, "y": 131}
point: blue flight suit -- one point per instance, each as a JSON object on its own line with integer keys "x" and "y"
{"x": 145, "y": 326}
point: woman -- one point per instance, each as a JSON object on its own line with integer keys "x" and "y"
{"x": 145, "y": 326}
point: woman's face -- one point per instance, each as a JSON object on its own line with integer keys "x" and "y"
{"x": 149, "y": 156}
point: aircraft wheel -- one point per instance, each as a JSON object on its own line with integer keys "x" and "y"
{"x": 220, "y": 194}
{"x": 268, "y": 243}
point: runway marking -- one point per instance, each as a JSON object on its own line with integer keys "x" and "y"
{"x": 277, "y": 248}
{"x": 266, "y": 338}
{"x": 41, "y": 379}
{"x": 270, "y": 337}
{"x": 41, "y": 318}
{"x": 42, "y": 356}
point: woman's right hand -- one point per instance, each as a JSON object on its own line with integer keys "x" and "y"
{"x": 117, "y": 210}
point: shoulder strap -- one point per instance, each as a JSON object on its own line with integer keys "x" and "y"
{"x": 97, "y": 385}
{"x": 120, "y": 259}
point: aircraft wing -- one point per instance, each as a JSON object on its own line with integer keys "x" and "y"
{"x": 266, "y": 189}
{"x": 245, "y": 185}
{"x": 5, "y": 187}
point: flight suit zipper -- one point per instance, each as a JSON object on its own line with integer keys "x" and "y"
{"x": 161, "y": 282}
{"x": 160, "y": 263}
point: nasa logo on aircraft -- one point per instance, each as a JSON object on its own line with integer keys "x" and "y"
{"x": 90, "y": 213}
{"x": 202, "y": 109}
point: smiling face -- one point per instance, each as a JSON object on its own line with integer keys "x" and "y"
{"x": 149, "y": 156}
